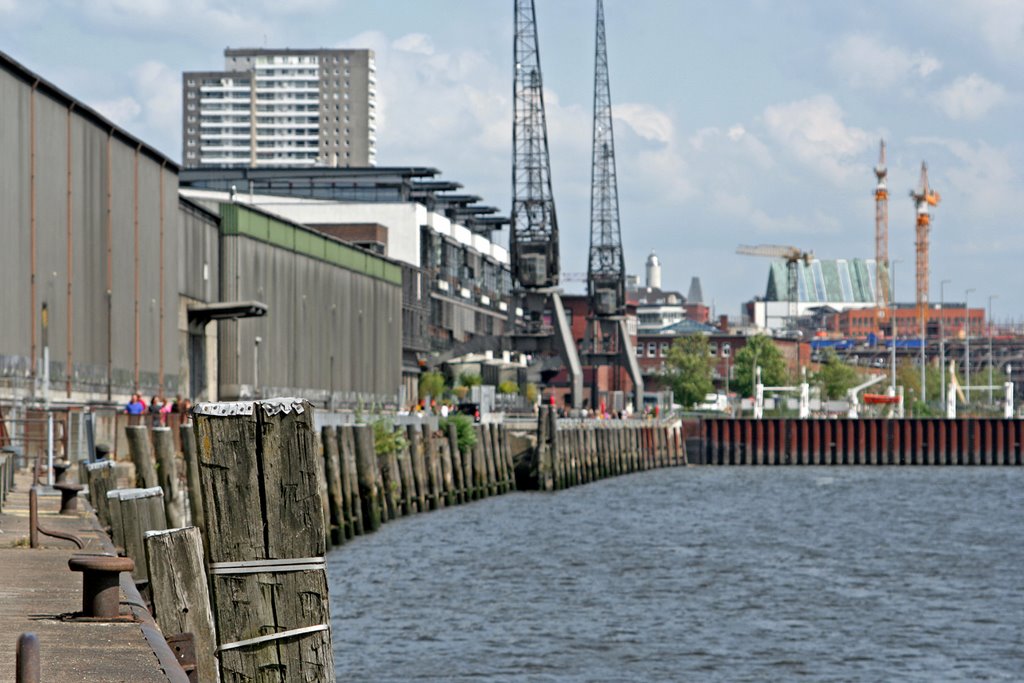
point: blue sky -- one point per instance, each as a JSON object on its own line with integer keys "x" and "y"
{"x": 736, "y": 122}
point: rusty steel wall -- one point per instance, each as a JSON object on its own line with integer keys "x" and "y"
{"x": 86, "y": 208}
{"x": 317, "y": 311}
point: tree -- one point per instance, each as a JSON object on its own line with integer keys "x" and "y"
{"x": 759, "y": 350}
{"x": 688, "y": 369}
{"x": 835, "y": 377}
{"x": 508, "y": 387}
{"x": 470, "y": 379}
{"x": 431, "y": 384}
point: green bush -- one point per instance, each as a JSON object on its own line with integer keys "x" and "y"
{"x": 470, "y": 379}
{"x": 387, "y": 439}
{"x": 463, "y": 427}
{"x": 508, "y": 387}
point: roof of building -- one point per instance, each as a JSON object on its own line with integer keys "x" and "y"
{"x": 696, "y": 293}
{"x": 825, "y": 281}
{"x": 354, "y": 184}
{"x": 44, "y": 86}
{"x": 688, "y": 326}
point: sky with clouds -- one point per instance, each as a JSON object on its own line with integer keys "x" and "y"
{"x": 736, "y": 122}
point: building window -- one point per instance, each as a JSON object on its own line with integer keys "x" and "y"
{"x": 726, "y": 349}
{"x": 713, "y": 349}
{"x": 664, "y": 349}
{"x": 652, "y": 350}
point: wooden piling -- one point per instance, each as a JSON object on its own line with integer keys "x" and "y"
{"x": 434, "y": 476}
{"x": 267, "y": 538}
{"x": 195, "y": 494}
{"x": 419, "y": 466}
{"x": 353, "y": 512}
{"x": 370, "y": 494}
{"x": 458, "y": 467}
{"x": 332, "y": 474}
{"x": 100, "y": 478}
{"x": 139, "y": 510}
{"x": 167, "y": 475}
{"x": 181, "y": 601}
{"x": 141, "y": 450}
{"x": 410, "y": 504}
{"x": 444, "y": 455}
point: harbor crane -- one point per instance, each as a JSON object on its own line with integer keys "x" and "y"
{"x": 533, "y": 242}
{"x": 792, "y": 256}
{"x": 606, "y": 340}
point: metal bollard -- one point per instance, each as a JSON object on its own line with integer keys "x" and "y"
{"x": 33, "y": 518}
{"x": 27, "y": 659}
{"x": 68, "y": 497}
{"x": 101, "y": 586}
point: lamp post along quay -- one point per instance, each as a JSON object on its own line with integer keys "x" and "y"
{"x": 942, "y": 340}
{"x": 967, "y": 344}
{"x": 990, "y": 359}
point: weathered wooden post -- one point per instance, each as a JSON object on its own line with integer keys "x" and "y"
{"x": 100, "y": 479}
{"x": 167, "y": 475}
{"x": 419, "y": 466}
{"x": 332, "y": 472}
{"x": 266, "y": 539}
{"x": 447, "y": 478}
{"x": 139, "y": 511}
{"x": 409, "y": 502}
{"x": 433, "y": 469}
{"x": 141, "y": 450}
{"x": 181, "y": 602}
{"x": 387, "y": 465}
{"x": 350, "y": 482}
{"x": 369, "y": 479}
{"x": 195, "y": 494}
{"x": 458, "y": 469}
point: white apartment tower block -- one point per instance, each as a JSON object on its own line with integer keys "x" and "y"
{"x": 282, "y": 108}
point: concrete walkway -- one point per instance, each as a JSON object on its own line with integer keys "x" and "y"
{"x": 37, "y": 588}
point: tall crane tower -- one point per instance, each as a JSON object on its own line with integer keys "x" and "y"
{"x": 606, "y": 341}
{"x": 533, "y": 243}
{"x": 924, "y": 196}
{"x": 881, "y": 234}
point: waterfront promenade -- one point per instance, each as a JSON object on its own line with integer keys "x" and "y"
{"x": 38, "y": 592}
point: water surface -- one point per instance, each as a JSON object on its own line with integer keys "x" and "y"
{"x": 698, "y": 574}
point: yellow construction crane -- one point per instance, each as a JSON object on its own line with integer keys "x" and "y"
{"x": 792, "y": 256}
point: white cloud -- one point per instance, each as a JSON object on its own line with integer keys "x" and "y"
{"x": 158, "y": 88}
{"x": 866, "y": 62}
{"x": 970, "y": 97}
{"x": 123, "y": 111}
{"x": 999, "y": 23}
{"x": 209, "y": 18}
{"x": 646, "y": 121}
{"x": 814, "y": 132}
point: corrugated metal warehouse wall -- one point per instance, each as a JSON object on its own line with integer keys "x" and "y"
{"x": 334, "y": 321}
{"x": 83, "y": 202}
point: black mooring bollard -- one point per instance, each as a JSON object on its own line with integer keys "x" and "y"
{"x": 27, "y": 659}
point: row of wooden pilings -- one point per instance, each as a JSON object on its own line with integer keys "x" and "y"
{"x": 424, "y": 470}
{"x": 569, "y": 454}
{"x": 875, "y": 441}
{"x": 246, "y": 582}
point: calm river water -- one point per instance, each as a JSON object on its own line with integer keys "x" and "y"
{"x": 699, "y": 574}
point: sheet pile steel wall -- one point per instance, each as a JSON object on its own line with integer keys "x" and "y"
{"x": 89, "y": 230}
{"x": 871, "y": 441}
{"x": 333, "y": 333}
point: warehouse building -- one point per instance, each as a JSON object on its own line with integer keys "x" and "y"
{"x": 115, "y": 284}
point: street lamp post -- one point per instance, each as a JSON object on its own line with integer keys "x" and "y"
{"x": 942, "y": 340}
{"x": 967, "y": 343}
{"x": 892, "y": 320}
{"x": 990, "y": 297}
